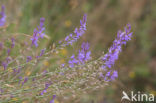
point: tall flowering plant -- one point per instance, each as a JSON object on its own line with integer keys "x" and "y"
{"x": 22, "y": 76}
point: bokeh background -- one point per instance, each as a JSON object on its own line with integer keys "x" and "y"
{"x": 137, "y": 62}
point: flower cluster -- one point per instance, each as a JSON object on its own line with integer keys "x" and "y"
{"x": 113, "y": 52}
{"x": 38, "y": 33}
{"x": 83, "y": 56}
{"x": 2, "y": 16}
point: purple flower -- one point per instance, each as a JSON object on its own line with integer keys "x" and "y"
{"x": 46, "y": 87}
{"x": 8, "y": 59}
{"x": 29, "y": 58}
{"x": 52, "y": 101}
{"x": 106, "y": 78}
{"x": 8, "y": 52}
{"x": 78, "y": 32}
{"x": 41, "y": 54}
{"x": 41, "y": 28}
{"x": 83, "y": 56}
{"x": 44, "y": 91}
{"x": 62, "y": 65}
{"x": 16, "y": 71}
{"x": 60, "y": 42}
{"x": 72, "y": 61}
{"x": 20, "y": 78}
{"x": 5, "y": 65}
{"x": 2, "y": 16}
{"x": 67, "y": 38}
{"x": 83, "y": 22}
{"x": 114, "y": 75}
{"x": 38, "y": 33}
{"x": 6, "y": 62}
{"x": 35, "y": 37}
{"x": 25, "y": 80}
{"x": 110, "y": 75}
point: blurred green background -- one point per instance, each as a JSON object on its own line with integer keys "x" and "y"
{"x": 137, "y": 62}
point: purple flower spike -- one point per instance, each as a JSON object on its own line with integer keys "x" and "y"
{"x": 42, "y": 22}
{"x": 78, "y": 32}
{"x": 44, "y": 91}
{"x": 113, "y": 52}
{"x": 2, "y": 16}
{"x": 83, "y": 22}
{"x": 115, "y": 49}
{"x": 41, "y": 54}
{"x": 34, "y": 39}
{"x": 41, "y": 28}
{"x": 38, "y": 33}
{"x": 52, "y": 101}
